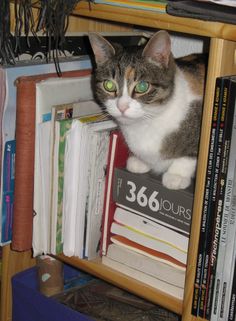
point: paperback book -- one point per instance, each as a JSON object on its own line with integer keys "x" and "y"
{"x": 145, "y": 194}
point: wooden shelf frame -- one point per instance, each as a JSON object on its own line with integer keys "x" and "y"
{"x": 222, "y": 61}
{"x": 156, "y": 20}
{"x": 95, "y": 267}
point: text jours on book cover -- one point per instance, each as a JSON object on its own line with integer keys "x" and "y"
{"x": 145, "y": 194}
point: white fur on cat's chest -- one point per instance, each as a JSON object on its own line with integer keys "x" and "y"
{"x": 145, "y": 141}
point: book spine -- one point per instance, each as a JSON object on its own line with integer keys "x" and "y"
{"x": 213, "y": 255}
{"x": 117, "y": 156}
{"x": 24, "y": 168}
{"x": 224, "y": 295}
{"x": 215, "y": 123}
{"x": 8, "y": 191}
{"x": 226, "y": 231}
{"x": 232, "y": 304}
{"x": 225, "y": 139}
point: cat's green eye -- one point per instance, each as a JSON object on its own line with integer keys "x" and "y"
{"x": 141, "y": 87}
{"x": 109, "y": 85}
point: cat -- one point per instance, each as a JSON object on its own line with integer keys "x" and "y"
{"x": 156, "y": 101}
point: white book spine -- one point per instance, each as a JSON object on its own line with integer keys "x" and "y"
{"x": 71, "y": 181}
{"x": 229, "y": 261}
{"x": 146, "y": 264}
{"x": 228, "y": 257}
{"x": 151, "y": 228}
{"x": 150, "y": 242}
{"x": 145, "y": 278}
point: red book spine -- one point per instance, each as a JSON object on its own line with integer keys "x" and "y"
{"x": 117, "y": 157}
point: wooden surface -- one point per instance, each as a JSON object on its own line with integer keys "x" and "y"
{"x": 156, "y": 20}
{"x": 132, "y": 285}
{"x": 12, "y": 263}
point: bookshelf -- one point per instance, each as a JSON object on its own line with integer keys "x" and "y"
{"x": 222, "y": 61}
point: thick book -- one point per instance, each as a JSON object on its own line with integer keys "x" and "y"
{"x": 208, "y": 189}
{"x": 25, "y": 157}
{"x": 149, "y": 227}
{"x": 147, "y": 279}
{"x": 145, "y": 264}
{"x": 227, "y": 227}
{"x": 149, "y": 241}
{"x": 218, "y": 195}
{"x": 147, "y": 251}
{"x": 149, "y": 234}
{"x": 61, "y": 119}
{"x": 77, "y": 179}
{"x": 145, "y": 194}
{"x": 97, "y": 177}
{"x": 51, "y": 91}
{"x": 117, "y": 157}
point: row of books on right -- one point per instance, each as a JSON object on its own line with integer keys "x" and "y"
{"x": 214, "y": 294}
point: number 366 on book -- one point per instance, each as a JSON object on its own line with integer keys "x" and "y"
{"x": 145, "y": 194}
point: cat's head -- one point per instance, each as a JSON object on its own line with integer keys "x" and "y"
{"x": 133, "y": 85}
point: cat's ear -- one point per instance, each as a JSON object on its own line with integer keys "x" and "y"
{"x": 158, "y": 48}
{"x": 102, "y": 49}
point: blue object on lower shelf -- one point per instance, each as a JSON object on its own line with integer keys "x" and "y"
{"x": 30, "y": 305}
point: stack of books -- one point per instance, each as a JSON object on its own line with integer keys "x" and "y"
{"x": 215, "y": 279}
{"x": 8, "y": 109}
{"x": 146, "y": 229}
{"x": 72, "y": 143}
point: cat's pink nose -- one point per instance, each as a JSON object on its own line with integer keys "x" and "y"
{"x": 122, "y": 107}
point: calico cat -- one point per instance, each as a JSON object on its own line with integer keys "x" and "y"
{"x": 157, "y": 103}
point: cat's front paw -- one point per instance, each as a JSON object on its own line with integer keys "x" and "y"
{"x": 135, "y": 165}
{"x": 175, "y": 181}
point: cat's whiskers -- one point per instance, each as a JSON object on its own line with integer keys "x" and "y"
{"x": 149, "y": 116}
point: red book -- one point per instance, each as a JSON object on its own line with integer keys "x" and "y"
{"x": 24, "y": 163}
{"x": 117, "y": 157}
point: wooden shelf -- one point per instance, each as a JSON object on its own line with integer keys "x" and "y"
{"x": 156, "y": 20}
{"x": 132, "y": 285}
{"x": 222, "y": 61}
